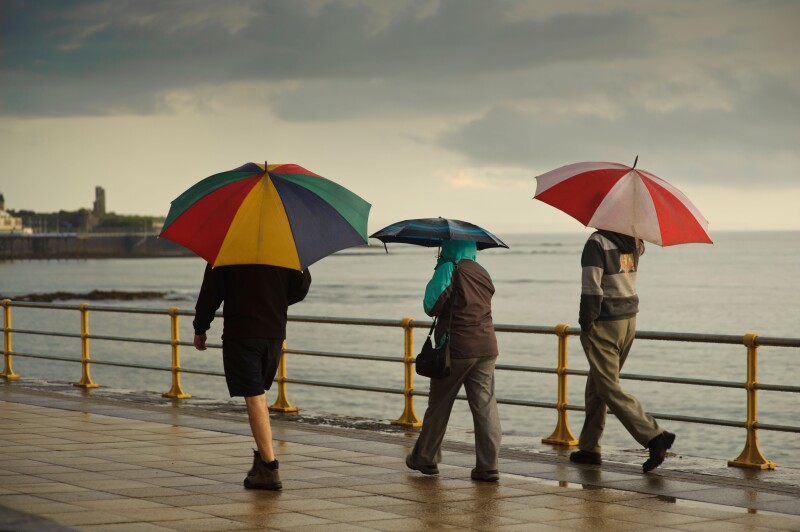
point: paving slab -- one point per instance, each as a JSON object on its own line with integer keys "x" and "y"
{"x": 132, "y": 466}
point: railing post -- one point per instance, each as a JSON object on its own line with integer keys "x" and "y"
{"x": 282, "y": 403}
{"x": 86, "y": 375}
{"x": 409, "y": 417}
{"x": 8, "y": 371}
{"x": 175, "y": 337}
{"x": 562, "y": 435}
{"x": 751, "y": 456}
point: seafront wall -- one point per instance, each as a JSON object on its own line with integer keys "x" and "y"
{"x": 87, "y": 246}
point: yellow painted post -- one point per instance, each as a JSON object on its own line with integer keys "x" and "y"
{"x": 86, "y": 375}
{"x": 282, "y": 403}
{"x": 8, "y": 371}
{"x": 409, "y": 417}
{"x": 562, "y": 435}
{"x": 751, "y": 456}
{"x": 175, "y": 337}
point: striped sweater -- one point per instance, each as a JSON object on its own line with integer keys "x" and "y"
{"x": 608, "y": 281}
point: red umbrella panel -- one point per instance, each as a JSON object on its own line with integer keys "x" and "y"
{"x": 624, "y": 199}
{"x": 278, "y": 214}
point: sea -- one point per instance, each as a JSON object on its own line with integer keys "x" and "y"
{"x": 746, "y": 282}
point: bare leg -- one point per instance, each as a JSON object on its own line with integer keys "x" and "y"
{"x": 258, "y": 415}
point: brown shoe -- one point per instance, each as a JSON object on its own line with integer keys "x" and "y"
{"x": 265, "y": 477}
{"x": 485, "y": 476}
{"x": 256, "y": 460}
{"x": 424, "y": 469}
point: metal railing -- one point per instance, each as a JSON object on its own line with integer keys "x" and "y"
{"x": 750, "y": 457}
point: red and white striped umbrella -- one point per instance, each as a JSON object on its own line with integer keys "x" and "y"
{"x": 624, "y": 199}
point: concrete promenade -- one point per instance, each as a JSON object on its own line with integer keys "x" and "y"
{"x": 77, "y": 462}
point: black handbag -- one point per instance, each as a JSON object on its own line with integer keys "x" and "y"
{"x": 434, "y": 362}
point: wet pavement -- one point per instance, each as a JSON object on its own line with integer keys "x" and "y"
{"x": 85, "y": 462}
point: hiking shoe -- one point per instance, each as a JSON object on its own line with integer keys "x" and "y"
{"x": 265, "y": 477}
{"x": 485, "y": 476}
{"x": 424, "y": 469}
{"x": 585, "y": 457}
{"x": 658, "y": 450}
{"x": 256, "y": 460}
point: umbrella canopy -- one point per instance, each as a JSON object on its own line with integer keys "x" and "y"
{"x": 624, "y": 199}
{"x": 430, "y": 232}
{"x": 277, "y": 214}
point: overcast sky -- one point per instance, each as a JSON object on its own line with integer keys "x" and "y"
{"x": 424, "y": 108}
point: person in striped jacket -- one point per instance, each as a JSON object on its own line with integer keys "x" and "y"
{"x": 608, "y": 308}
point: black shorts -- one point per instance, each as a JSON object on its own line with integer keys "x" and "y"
{"x": 250, "y": 364}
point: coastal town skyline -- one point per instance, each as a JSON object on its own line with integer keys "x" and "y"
{"x": 422, "y": 108}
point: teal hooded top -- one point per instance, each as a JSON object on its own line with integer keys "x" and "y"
{"x": 452, "y": 252}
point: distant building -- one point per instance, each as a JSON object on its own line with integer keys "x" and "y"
{"x": 99, "y": 208}
{"x": 8, "y": 223}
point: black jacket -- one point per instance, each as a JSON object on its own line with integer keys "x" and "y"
{"x": 256, "y": 298}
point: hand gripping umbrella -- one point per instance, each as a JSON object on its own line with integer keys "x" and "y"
{"x": 430, "y": 232}
{"x": 277, "y": 214}
{"x": 624, "y": 199}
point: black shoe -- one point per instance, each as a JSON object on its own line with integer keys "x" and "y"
{"x": 485, "y": 476}
{"x": 265, "y": 477}
{"x": 424, "y": 469}
{"x": 585, "y": 457}
{"x": 658, "y": 450}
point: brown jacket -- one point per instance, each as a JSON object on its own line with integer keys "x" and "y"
{"x": 472, "y": 332}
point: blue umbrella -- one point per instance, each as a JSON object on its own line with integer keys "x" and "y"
{"x": 430, "y": 232}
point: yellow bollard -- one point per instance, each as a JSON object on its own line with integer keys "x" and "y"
{"x": 86, "y": 376}
{"x": 562, "y": 435}
{"x": 175, "y": 392}
{"x": 8, "y": 371}
{"x": 409, "y": 417}
{"x": 751, "y": 456}
{"x": 282, "y": 403}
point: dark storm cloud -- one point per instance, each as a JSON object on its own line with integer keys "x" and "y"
{"x": 523, "y": 84}
{"x": 724, "y": 147}
{"x": 104, "y": 57}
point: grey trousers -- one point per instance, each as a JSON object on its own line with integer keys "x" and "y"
{"x": 607, "y": 345}
{"x": 477, "y": 376}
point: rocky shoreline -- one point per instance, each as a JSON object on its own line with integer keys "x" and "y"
{"x": 94, "y": 295}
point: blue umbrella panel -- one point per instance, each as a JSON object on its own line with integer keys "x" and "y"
{"x": 430, "y": 232}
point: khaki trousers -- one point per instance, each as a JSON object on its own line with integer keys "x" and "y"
{"x": 477, "y": 376}
{"x": 607, "y": 345}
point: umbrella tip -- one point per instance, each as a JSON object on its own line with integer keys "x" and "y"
{"x": 634, "y": 162}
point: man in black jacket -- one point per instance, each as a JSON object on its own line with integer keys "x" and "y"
{"x": 256, "y": 298}
{"x": 609, "y": 304}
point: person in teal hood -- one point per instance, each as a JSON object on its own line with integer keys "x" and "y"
{"x": 461, "y": 291}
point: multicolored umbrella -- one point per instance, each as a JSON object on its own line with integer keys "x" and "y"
{"x": 430, "y": 232}
{"x": 621, "y": 198}
{"x": 277, "y": 214}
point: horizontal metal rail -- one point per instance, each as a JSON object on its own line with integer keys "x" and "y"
{"x": 98, "y": 362}
{"x": 98, "y": 308}
{"x": 345, "y": 386}
{"x": 327, "y": 354}
{"x": 665, "y": 379}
